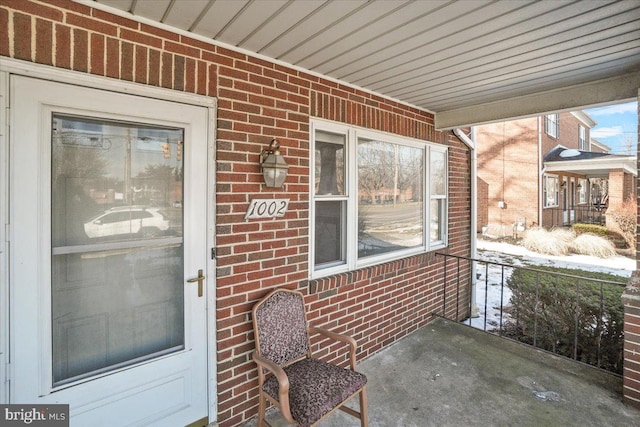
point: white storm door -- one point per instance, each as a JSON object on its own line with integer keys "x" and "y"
{"x": 108, "y": 220}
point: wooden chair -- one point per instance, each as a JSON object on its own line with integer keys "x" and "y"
{"x": 306, "y": 390}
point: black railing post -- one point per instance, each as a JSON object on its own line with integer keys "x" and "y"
{"x": 458, "y": 289}
{"x": 535, "y": 315}
{"x": 444, "y": 289}
{"x": 577, "y": 325}
{"x": 486, "y": 292}
{"x": 501, "y": 297}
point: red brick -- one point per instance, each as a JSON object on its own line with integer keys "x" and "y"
{"x": 190, "y": 75}
{"x": 91, "y": 24}
{"x": 31, "y": 8}
{"x": 4, "y": 32}
{"x": 166, "y": 70}
{"x": 142, "y": 64}
{"x": 114, "y": 19}
{"x": 154, "y": 67}
{"x": 22, "y": 36}
{"x": 63, "y": 47}
{"x": 126, "y": 61}
{"x": 97, "y": 54}
{"x": 113, "y": 58}
{"x": 44, "y": 42}
{"x": 140, "y": 38}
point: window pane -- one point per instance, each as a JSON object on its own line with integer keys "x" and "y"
{"x": 390, "y": 197}
{"x": 105, "y": 174}
{"x": 437, "y": 176}
{"x": 330, "y": 233}
{"x": 110, "y": 307}
{"x": 437, "y": 216}
{"x": 117, "y": 293}
{"x": 550, "y": 191}
{"x": 329, "y": 164}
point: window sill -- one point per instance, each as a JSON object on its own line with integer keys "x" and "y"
{"x": 368, "y": 263}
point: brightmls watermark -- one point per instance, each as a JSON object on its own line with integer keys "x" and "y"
{"x": 34, "y": 415}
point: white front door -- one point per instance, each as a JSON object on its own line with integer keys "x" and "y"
{"x": 108, "y": 212}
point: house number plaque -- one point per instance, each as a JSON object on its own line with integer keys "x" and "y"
{"x": 267, "y": 208}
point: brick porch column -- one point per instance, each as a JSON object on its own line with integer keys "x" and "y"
{"x": 631, "y": 302}
{"x": 631, "y": 372}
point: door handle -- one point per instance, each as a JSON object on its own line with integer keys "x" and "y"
{"x": 198, "y": 279}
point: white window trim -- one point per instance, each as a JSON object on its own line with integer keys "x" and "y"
{"x": 583, "y": 144}
{"x": 556, "y": 190}
{"x": 556, "y": 125}
{"x": 352, "y": 134}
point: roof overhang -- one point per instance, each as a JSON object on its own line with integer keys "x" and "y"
{"x": 599, "y": 167}
{"x": 602, "y": 92}
{"x": 468, "y": 62}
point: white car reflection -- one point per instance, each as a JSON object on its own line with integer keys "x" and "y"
{"x": 139, "y": 220}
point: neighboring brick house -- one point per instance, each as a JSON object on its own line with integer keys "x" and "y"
{"x": 547, "y": 171}
{"x": 125, "y": 103}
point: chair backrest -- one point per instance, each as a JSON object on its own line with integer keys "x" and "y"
{"x": 281, "y": 327}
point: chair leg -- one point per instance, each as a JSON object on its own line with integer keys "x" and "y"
{"x": 364, "y": 416}
{"x": 262, "y": 406}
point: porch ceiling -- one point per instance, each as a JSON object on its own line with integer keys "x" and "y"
{"x": 468, "y": 61}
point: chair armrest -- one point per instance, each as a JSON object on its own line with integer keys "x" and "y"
{"x": 283, "y": 383}
{"x": 339, "y": 337}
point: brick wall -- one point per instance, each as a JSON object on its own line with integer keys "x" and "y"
{"x": 508, "y": 164}
{"x": 568, "y": 133}
{"x": 259, "y": 100}
{"x": 631, "y": 302}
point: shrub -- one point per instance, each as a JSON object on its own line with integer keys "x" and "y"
{"x": 624, "y": 219}
{"x": 554, "y": 242}
{"x": 589, "y": 244}
{"x": 552, "y": 310}
{"x": 598, "y": 230}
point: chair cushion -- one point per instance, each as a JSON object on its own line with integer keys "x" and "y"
{"x": 315, "y": 388}
{"x": 282, "y": 328}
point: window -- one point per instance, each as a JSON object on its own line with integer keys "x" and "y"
{"x": 552, "y": 125}
{"x": 582, "y": 191}
{"x": 375, "y": 197}
{"x": 550, "y": 189}
{"x": 582, "y": 138}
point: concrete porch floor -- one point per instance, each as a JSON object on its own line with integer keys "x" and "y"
{"x": 447, "y": 374}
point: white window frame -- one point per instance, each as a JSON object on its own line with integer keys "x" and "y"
{"x": 582, "y": 191}
{"x": 552, "y": 125}
{"x": 556, "y": 191}
{"x": 352, "y": 135}
{"x": 582, "y": 138}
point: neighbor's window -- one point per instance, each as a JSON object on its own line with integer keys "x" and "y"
{"x": 552, "y": 125}
{"x": 550, "y": 189}
{"x": 582, "y": 138}
{"x": 375, "y": 197}
{"x": 582, "y": 191}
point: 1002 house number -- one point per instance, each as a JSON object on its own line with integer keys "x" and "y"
{"x": 267, "y": 208}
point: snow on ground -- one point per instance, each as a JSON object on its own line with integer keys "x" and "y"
{"x": 489, "y": 277}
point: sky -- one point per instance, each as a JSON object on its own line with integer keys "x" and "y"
{"x": 617, "y": 126}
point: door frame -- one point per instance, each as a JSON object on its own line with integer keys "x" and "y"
{"x": 17, "y": 67}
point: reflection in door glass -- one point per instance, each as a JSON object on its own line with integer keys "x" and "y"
{"x": 117, "y": 249}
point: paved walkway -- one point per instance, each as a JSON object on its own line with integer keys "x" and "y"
{"x": 446, "y": 374}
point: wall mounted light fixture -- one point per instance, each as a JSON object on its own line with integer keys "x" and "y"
{"x": 274, "y": 168}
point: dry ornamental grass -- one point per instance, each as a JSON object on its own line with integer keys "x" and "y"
{"x": 560, "y": 242}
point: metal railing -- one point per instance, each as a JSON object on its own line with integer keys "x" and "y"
{"x": 581, "y": 214}
{"x": 575, "y": 316}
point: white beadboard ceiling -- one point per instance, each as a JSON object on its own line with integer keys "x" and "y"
{"x": 468, "y": 60}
